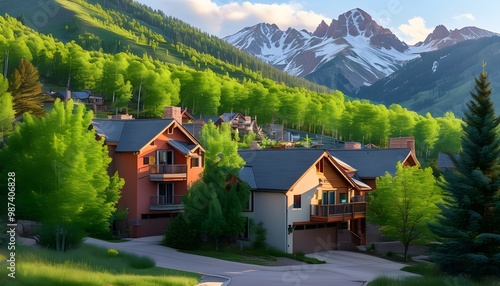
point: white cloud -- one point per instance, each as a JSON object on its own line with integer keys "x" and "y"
{"x": 226, "y": 19}
{"x": 414, "y": 31}
{"x": 465, "y": 16}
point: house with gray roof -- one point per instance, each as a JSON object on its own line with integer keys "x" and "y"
{"x": 158, "y": 159}
{"x": 307, "y": 199}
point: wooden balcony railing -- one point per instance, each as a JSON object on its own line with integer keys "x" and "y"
{"x": 339, "y": 212}
{"x": 165, "y": 203}
{"x": 168, "y": 169}
{"x": 167, "y": 172}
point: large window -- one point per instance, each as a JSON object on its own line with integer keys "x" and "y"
{"x": 297, "y": 201}
{"x": 328, "y": 197}
{"x": 166, "y": 193}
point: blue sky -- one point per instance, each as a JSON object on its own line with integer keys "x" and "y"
{"x": 410, "y": 20}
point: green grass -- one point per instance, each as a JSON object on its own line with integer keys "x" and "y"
{"x": 90, "y": 265}
{"x": 430, "y": 276}
{"x": 253, "y": 256}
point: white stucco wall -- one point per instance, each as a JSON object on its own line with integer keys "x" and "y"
{"x": 270, "y": 208}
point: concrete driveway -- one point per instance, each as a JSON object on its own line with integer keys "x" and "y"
{"x": 342, "y": 267}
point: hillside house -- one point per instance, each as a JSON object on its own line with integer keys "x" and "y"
{"x": 159, "y": 159}
{"x": 307, "y": 199}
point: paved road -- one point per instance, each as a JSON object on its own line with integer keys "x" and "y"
{"x": 342, "y": 267}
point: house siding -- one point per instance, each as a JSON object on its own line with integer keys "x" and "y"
{"x": 269, "y": 208}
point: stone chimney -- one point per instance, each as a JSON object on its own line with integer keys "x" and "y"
{"x": 352, "y": 146}
{"x": 173, "y": 112}
{"x": 403, "y": 142}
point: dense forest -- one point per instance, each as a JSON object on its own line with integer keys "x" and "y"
{"x": 120, "y": 77}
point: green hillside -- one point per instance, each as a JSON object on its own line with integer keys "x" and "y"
{"x": 416, "y": 86}
{"x": 114, "y": 26}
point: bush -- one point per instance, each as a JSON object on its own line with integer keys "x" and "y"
{"x": 180, "y": 235}
{"x": 60, "y": 238}
{"x": 112, "y": 252}
{"x": 260, "y": 236}
{"x": 141, "y": 262}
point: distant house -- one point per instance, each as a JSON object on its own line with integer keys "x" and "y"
{"x": 444, "y": 162}
{"x": 243, "y": 124}
{"x": 307, "y": 200}
{"x": 159, "y": 159}
{"x": 76, "y": 96}
{"x": 373, "y": 163}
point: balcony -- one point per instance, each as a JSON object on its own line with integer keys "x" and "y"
{"x": 338, "y": 213}
{"x": 165, "y": 203}
{"x": 162, "y": 173}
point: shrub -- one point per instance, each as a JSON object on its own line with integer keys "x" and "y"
{"x": 260, "y": 236}
{"x": 60, "y": 238}
{"x": 112, "y": 252}
{"x": 180, "y": 235}
{"x": 141, "y": 262}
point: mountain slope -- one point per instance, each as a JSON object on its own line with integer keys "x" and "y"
{"x": 440, "y": 81}
{"x": 352, "y": 52}
{"x": 127, "y": 26}
{"x": 354, "y": 42}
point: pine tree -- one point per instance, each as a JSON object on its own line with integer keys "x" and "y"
{"x": 26, "y": 89}
{"x": 469, "y": 227}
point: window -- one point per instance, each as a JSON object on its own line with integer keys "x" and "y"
{"x": 248, "y": 207}
{"x": 196, "y": 162}
{"x": 165, "y": 157}
{"x": 343, "y": 198}
{"x": 297, "y": 201}
{"x": 166, "y": 193}
{"x": 328, "y": 197}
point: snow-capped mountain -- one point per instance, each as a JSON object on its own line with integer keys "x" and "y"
{"x": 351, "y": 52}
{"x": 441, "y": 37}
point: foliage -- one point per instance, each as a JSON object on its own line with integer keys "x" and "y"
{"x": 179, "y": 234}
{"x": 26, "y": 89}
{"x": 6, "y": 109}
{"x": 468, "y": 226}
{"x": 214, "y": 204}
{"x": 404, "y": 204}
{"x": 260, "y": 236}
{"x": 207, "y": 90}
{"x": 89, "y": 265}
{"x": 61, "y": 171}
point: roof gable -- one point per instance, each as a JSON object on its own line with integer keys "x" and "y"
{"x": 134, "y": 135}
{"x": 280, "y": 170}
{"x": 373, "y": 163}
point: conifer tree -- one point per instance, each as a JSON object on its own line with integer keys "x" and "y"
{"x": 26, "y": 89}
{"x": 469, "y": 225}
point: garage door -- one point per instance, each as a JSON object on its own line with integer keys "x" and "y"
{"x": 312, "y": 238}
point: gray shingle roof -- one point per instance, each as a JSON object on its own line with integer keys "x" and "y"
{"x": 275, "y": 169}
{"x": 131, "y": 135}
{"x": 372, "y": 163}
{"x": 184, "y": 147}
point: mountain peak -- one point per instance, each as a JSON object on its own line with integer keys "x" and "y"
{"x": 442, "y": 37}
{"x": 321, "y": 30}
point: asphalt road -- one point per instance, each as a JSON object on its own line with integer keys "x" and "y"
{"x": 342, "y": 267}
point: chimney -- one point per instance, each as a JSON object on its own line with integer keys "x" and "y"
{"x": 173, "y": 112}
{"x": 403, "y": 142}
{"x": 352, "y": 146}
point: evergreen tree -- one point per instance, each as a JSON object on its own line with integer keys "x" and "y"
{"x": 470, "y": 217}
{"x": 26, "y": 89}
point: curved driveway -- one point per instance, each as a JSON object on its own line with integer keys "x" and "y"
{"x": 342, "y": 267}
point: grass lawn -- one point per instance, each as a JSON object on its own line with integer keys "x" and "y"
{"x": 89, "y": 265}
{"x": 431, "y": 276}
{"x": 252, "y": 256}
